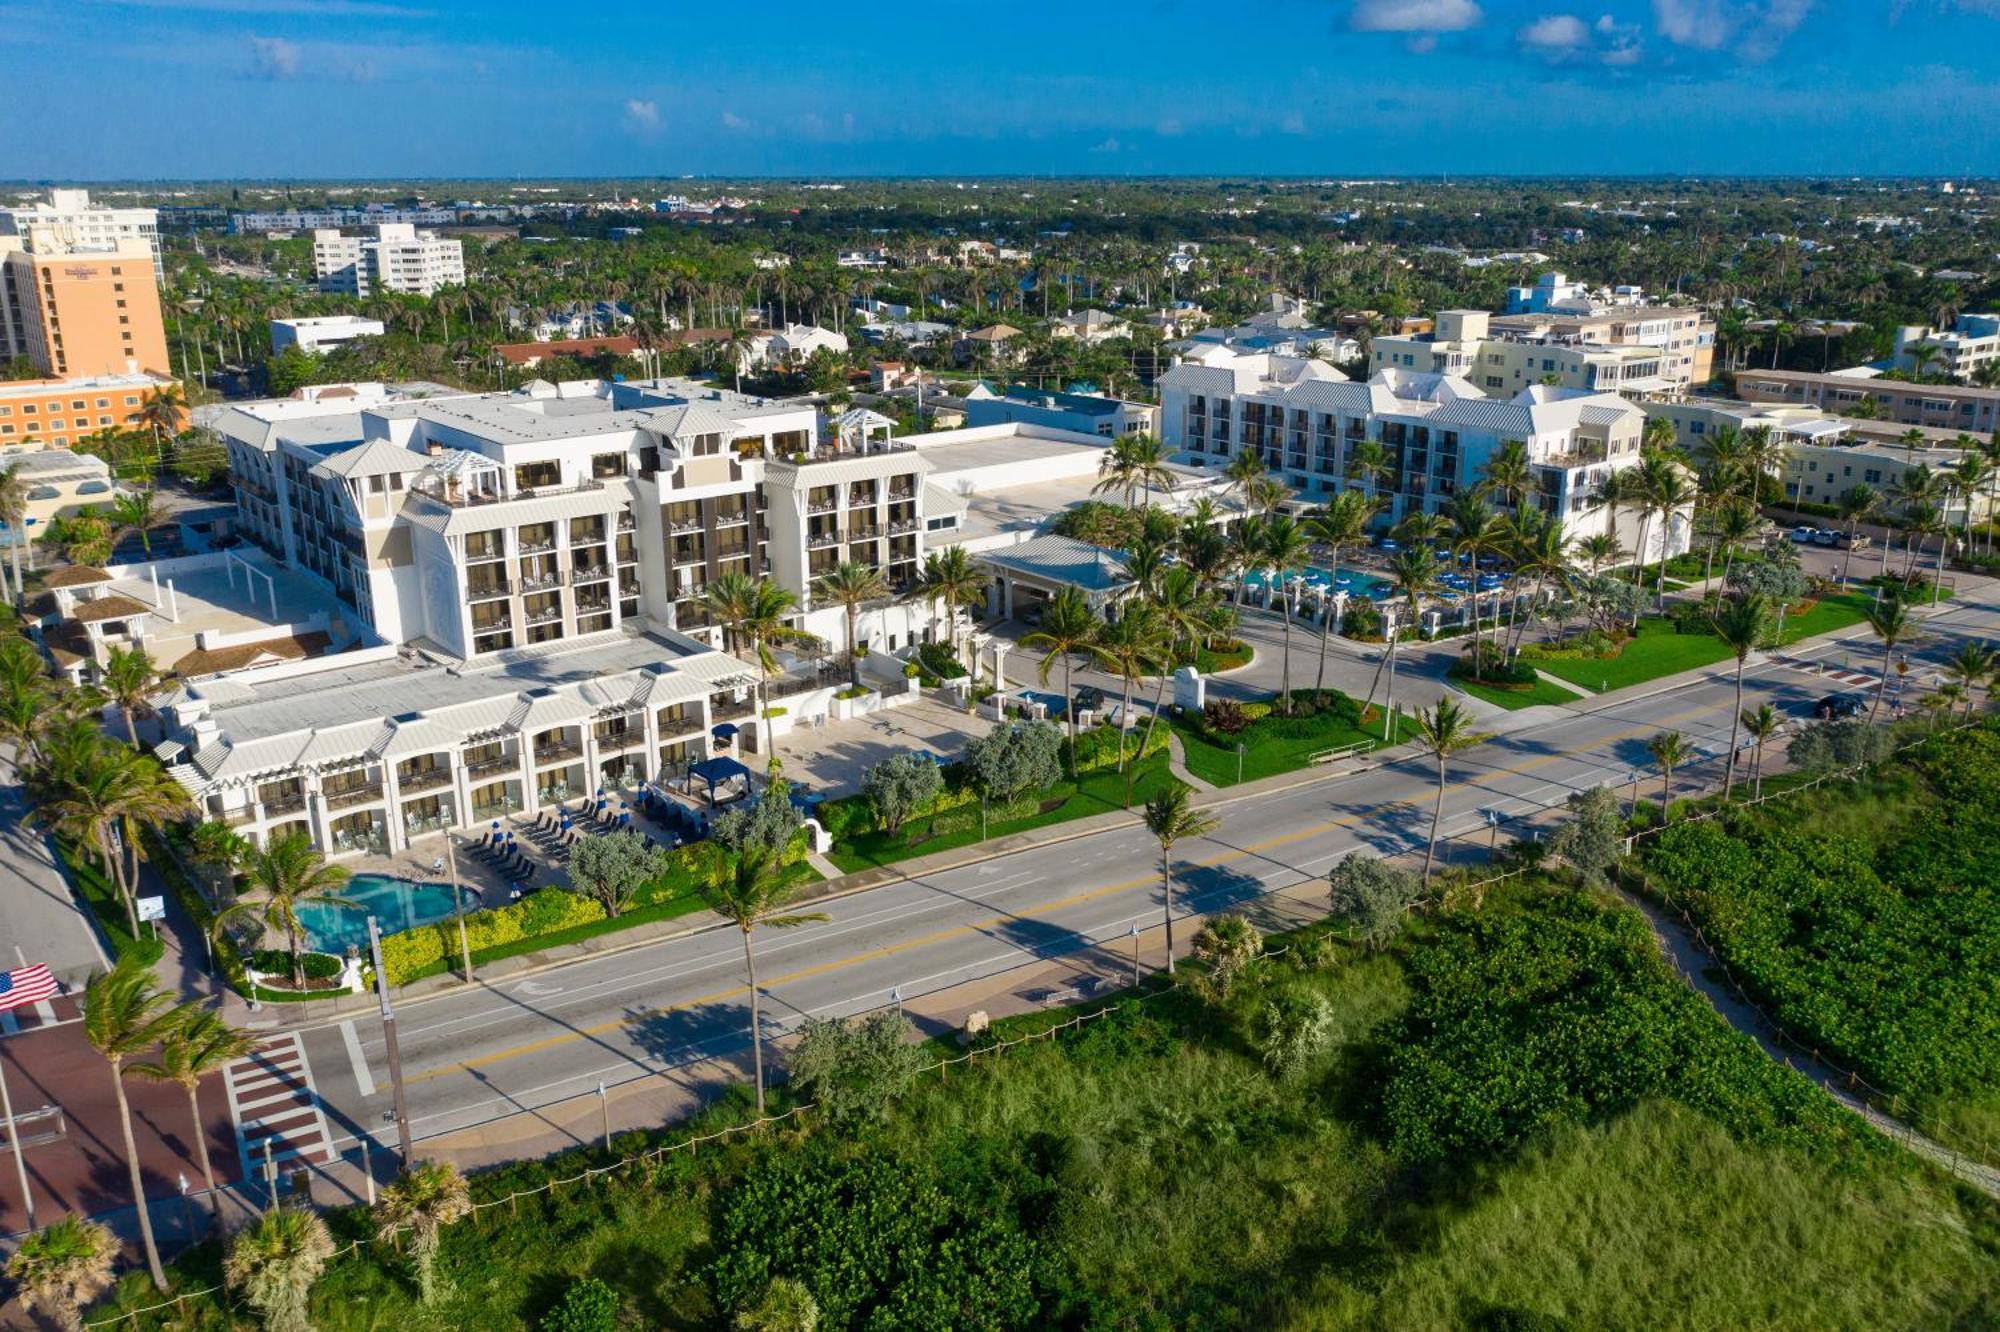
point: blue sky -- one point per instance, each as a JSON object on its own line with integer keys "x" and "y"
{"x": 344, "y": 88}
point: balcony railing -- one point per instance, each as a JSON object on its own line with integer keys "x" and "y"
{"x": 902, "y": 492}
{"x": 541, "y": 582}
{"x": 416, "y": 824}
{"x": 487, "y": 767}
{"x": 488, "y": 591}
{"x": 283, "y": 804}
{"x": 374, "y": 841}
{"x": 547, "y": 754}
{"x": 428, "y": 779}
{"x": 354, "y": 795}
{"x": 486, "y": 556}
{"x": 822, "y": 540}
{"x": 460, "y": 498}
{"x": 592, "y": 606}
{"x": 591, "y": 573}
{"x": 625, "y": 522}
{"x": 498, "y": 809}
{"x": 551, "y": 616}
{"x": 537, "y": 547}
{"x": 619, "y": 742}
{"x": 732, "y": 519}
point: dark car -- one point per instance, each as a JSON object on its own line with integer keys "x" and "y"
{"x": 1839, "y": 705}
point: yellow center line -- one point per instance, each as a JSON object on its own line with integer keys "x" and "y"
{"x": 952, "y": 932}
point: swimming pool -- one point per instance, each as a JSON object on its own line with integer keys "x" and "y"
{"x": 396, "y": 904}
{"x": 1351, "y": 581}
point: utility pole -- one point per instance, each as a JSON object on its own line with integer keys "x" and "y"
{"x": 457, "y": 906}
{"x": 389, "y": 1033}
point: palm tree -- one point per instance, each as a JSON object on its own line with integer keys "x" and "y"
{"x": 757, "y": 609}
{"x": 125, "y": 1013}
{"x": 1286, "y": 550}
{"x": 1444, "y": 730}
{"x": 200, "y": 1045}
{"x": 14, "y": 512}
{"x": 1853, "y": 505}
{"x": 1669, "y": 749}
{"x": 63, "y": 1267}
{"x": 26, "y": 698}
{"x": 1762, "y": 726}
{"x": 285, "y": 875}
{"x": 86, "y": 788}
{"x": 1599, "y": 549}
{"x": 1415, "y": 569}
{"x": 1246, "y": 549}
{"x": 1732, "y": 523}
{"x": 1244, "y": 468}
{"x": 1542, "y": 551}
{"x": 1368, "y": 463}
{"x": 275, "y": 1262}
{"x": 851, "y": 586}
{"x": 1664, "y": 487}
{"x": 951, "y": 580}
{"x": 130, "y": 679}
{"x": 1508, "y": 473}
{"x": 430, "y": 1196}
{"x": 132, "y": 511}
{"x": 755, "y": 893}
{"x": 1616, "y": 492}
{"x": 161, "y": 411}
{"x": 1343, "y": 522}
{"x": 1971, "y": 667}
{"x": 1131, "y": 647}
{"x": 1069, "y": 626}
{"x": 1744, "y": 625}
{"x": 1134, "y": 462}
{"x": 1170, "y": 818}
{"x": 1476, "y": 531}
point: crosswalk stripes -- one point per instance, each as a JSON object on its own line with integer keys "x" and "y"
{"x": 1819, "y": 670}
{"x": 272, "y": 1100}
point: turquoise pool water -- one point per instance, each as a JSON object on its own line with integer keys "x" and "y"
{"x": 1351, "y": 581}
{"x": 396, "y": 904}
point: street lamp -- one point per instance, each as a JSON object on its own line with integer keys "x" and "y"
{"x": 1632, "y": 808}
{"x": 1135, "y": 955}
{"x": 1493, "y": 831}
{"x": 395, "y": 1051}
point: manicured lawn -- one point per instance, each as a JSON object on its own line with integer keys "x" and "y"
{"x": 1656, "y": 651}
{"x": 101, "y": 896}
{"x": 1276, "y": 744}
{"x": 1542, "y": 693}
{"x": 1098, "y": 793}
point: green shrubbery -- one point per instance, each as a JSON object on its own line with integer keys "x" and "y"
{"x": 413, "y": 953}
{"x": 1880, "y": 944}
{"x": 277, "y": 962}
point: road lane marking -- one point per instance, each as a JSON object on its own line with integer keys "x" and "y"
{"x": 362, "y": 1078}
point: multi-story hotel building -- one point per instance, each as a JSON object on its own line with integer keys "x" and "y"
{"x": 399, "y": 258}
{"x": 1969, "y": 346}
{"x": 1501, "y": 356}
{"x": 1945, "y": 406}
{"x": 57, "y": 413}
{"x": 1304, "y": 418}
{"x": 79, "y": 309}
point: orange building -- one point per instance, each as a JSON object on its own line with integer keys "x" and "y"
{"x": 79, "y": 312}
{"x": 58, "y": 413}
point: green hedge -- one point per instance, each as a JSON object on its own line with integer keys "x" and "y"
{"x": 409, "y": 953}
{"x": 278, "y": 962}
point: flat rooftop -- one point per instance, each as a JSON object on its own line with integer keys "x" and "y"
{"x": 208, "y": 601}
{"x": 1002, "y": 450}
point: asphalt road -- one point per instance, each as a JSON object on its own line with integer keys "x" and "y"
{"x": 485, "y": 1053}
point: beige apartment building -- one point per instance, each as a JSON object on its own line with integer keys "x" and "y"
{"x": 1943, "y": 406}
{"x": 1640, "y": 352}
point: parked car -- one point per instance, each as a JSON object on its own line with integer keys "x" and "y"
{"x": 1089, "y": 699}
{"x": 1839, "y": 705}
{"x": 1803, "y": 534}
{"x": 1827, "y": 537}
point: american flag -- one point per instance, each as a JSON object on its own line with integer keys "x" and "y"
{"x": 25, "y": 985}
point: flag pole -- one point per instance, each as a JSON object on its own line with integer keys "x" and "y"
{"x": 14, "y": 1140}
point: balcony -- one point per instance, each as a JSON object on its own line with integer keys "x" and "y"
{"x": 427, "y": 779}
{"x": 489, "y": 766}
{"x": 553, "y": 615}
{"x": 592, "y": 606}
{"x": 625, "y": 522}
{"x": 902, "y": 527}
{"x": 902, "y": 492}
{"x": 864, "y": 533}
{"x": 823, "y": 540}
{"x": 278, "y": 805}
{"x": 732, "y": 519}
{"x": 1575, "y": 458}
{"x": 490, "y": 591}
{"x": 540, "y": 582}
{"x": 415, "y": 825}
{"x": 351, "y": 796}
{"x": 822, "y": 506}
{"x": 682, "y": 526}
{"x": 619, "y": 742}
{"x": 538, "y": 547}
{"x": 591, "y": 573}
{"x": 460, "y": 498}
{"x": 557, "y": 753}
{"x": 485, "y": 555}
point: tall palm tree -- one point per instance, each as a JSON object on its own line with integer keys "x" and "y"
{"x": 1665, "y": 491}
{"x": 1244, "y": 468}
{"x": 1744, "y": 625}
{"x": 1444, "y": 730}
{"x": 430, "y": 1196}
{"x": 26, "y": 698}
{"x": 14, "y": 512}
{"x": 1599, "y": 549}
{"x": 1340, "y": 523}
{"x": 1762, "y": 726}
{"x": 1475, "y": 531}
{"x": 125, "y": 1014}
{"x": 1619, "y": 491}
{"x": 160, "y": 412}
{"x": 1069, "y": 626}
{"x": 1669, "y": 749}
{"x": 1286, "y": 550}
{"x": 274, "y": 1263}
{"x": 759, "y": 610}
{"x": 201, "y": 1044}
{"x": 86, "y": 789}
{"x": 1415, "y": 570}
{"x": 130, "y": 679}
{"x": 63, "y": 1267}
{"x": 951, "y": 580}
{"x": 1731, "y": 523}
{"x": 755, "y": 893}
{"x": 1970, "y": 668}
{"x": 1171, "y": 818}
{"x": 851, "y": 586}
{"x": 1508, "y": 474}
{"x": 1853, "y": 506}
{"x": 1247, "y": 550}
{"x": 284, "y": 876}
{"x": 1542, "y": 552}
{"x": 1368, "y": 463}
{"x": 1130, "y": 647}
{"x": 1133, "y": 463}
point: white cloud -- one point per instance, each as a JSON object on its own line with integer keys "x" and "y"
{"x": 642, "y": 116}
{"x": 1555, "y": 34}
{"x": 274, "y": 57}
{"x": 1753, "y": 30}
{"x": 1110, "y": 145}
{"x": 1414, "y": 15}
{"x": 732, "y": 121}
